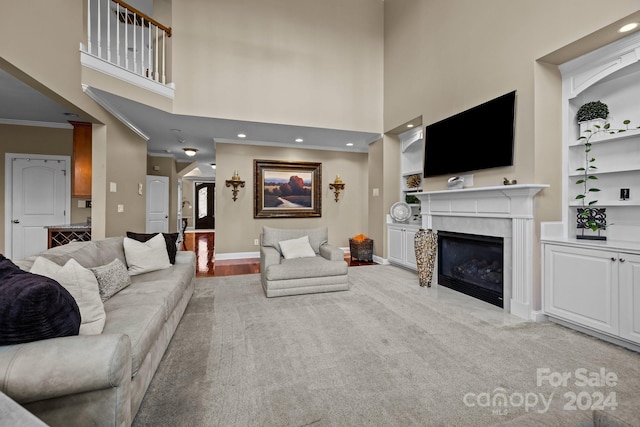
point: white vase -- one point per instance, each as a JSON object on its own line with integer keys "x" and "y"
{"x": 591, "y": 125}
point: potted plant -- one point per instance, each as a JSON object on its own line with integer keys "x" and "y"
{"x": 590, "y": 217}
{"x": 591, "y": 114}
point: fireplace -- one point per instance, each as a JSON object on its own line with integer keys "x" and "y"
{"x": 472, "y": 264}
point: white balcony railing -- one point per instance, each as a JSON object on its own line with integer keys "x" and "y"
{"x": 123, "y": 36}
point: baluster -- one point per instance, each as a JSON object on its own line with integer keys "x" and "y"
{"x": 126, "y": 38}
{"x": 89, "y": 26}
{"x": 118, "y": 34}
{"x": 135, "y": 56}
{"x": 149, "y": 47}
{"x": 108, "y": 31}
{"x": 164, "y": 76}
{"x": 98, "y": 37}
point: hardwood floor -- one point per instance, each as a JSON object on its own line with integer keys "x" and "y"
{"x": 202, "y": 243}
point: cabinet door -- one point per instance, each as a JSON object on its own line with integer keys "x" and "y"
{"x": 581, "y": 286}
{"x": 410, "y": 249}
{"x": 396, "y": 245}
{"x": 629, "y": 266}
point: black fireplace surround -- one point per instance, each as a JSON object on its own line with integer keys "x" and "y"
{"x": 472, "y": 264}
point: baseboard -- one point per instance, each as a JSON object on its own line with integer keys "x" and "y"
{"x": 380, "y": 260}
{"x": 237, "y": 255}
{"x": 613, "y": 340}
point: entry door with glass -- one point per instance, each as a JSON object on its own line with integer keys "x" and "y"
{"x": 204, "y": 198}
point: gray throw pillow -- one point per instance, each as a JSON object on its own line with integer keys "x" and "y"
{"x": 112, "y": 278}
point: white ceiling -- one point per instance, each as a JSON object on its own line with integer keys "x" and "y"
{"x": 169, "y": 133}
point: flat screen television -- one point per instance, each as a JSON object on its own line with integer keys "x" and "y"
{"x": 479, "y": 138}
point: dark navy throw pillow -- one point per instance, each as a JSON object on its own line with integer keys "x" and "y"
{"x": 34, "y": 307}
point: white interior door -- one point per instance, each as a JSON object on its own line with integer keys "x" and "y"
{"x": 157, "y": 204}
{"x": 39, "y": 197}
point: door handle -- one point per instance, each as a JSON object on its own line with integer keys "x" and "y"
{"x": 166, "y": 216}
{"x": 16, "y": 221}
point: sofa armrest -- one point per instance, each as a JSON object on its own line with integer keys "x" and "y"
{"x": 268, "y": 256}
{"x": 185, "y": 257}
{"x": 332, "y": 253}
{"x": 61, "y": 366}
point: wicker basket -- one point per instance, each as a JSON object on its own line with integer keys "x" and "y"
{"x": 361, "y": 250}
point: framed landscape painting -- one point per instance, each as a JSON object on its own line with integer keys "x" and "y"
{"x": 287, "y": 189}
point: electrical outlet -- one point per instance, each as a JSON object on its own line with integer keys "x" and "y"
{"x": 256, "y": 242}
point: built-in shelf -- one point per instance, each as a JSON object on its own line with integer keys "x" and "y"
{"x": 601, "y": 171}
{"x": 607, "y": 203}
{"x": 608, "y": 137}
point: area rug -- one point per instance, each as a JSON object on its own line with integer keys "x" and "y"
{"x": 384, "y": 353}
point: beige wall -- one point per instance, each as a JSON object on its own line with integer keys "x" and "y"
{"x": 235, "y": 226}
{"x": 313, "y": 63}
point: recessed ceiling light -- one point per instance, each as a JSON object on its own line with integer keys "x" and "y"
{"x": 299, "y": 139}
{"x": 190, "y": 151}
{"x": 213, "y": 165}
{"x": 242, "y": 135}
{"x": 70, "y": 115}
{"x": 628, "y": 27}
{"x": 168, "y": 151}
{"x": 410, "y": 125}
{"x": 349, "y": 144}
{"x": 176, "y": 130}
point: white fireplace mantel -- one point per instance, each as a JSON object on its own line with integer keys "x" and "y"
{"x": 506, "y": 211}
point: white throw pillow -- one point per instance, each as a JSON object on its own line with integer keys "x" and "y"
{"x": 83, "y": 287}
{"x": 297, "y": 248}
{"x": 143, "y": 257}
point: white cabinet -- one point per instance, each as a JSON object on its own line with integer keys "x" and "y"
{"x": 629, "y": 273}
{"x": 597, "y": 289}
{"x": 401, "y": 244}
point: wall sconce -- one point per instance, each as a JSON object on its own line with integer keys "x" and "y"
{"x": 190, "y": 151}
{"x": 235, "y": 182}
{"x": 337, "y": 185}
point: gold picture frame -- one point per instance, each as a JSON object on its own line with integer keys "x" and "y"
{"x": 285, "y": 189}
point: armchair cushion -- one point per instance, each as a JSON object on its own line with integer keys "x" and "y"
{"x": 297, "y": 248}
{"x": 273, "y": 236}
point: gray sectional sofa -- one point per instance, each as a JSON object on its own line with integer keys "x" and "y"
{"x": 100, "y": 380}
{"x": 325, "y": 270}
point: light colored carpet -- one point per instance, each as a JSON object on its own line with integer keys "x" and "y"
{"x": 384, "y": 353}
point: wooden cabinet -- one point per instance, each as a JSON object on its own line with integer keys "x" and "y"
{"x": 401, "y": 245}
{"x": 596, "y": 289}
{"x": 81, "y": 160}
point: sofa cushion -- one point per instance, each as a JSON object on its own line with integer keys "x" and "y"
{"x": 82, "y": 285}
{"x": 272, "y": 236}
{"x": 169, "y": 238}
{"x": 86, "y": 254}
{"x": 297, "y": 248}
{"x": 34, "y": 307}
{"x": 300, "y": 268}
{"x": 141, "y": 309}
{"x": 143, "y": 257}
{"x": 112, "y": 278}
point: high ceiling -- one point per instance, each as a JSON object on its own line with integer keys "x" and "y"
{"x": 168, "y": 134}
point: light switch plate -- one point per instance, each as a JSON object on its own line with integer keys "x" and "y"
{"x": 140, "y": 188}
{"x": 120, "y": 208}
{"x": 112, "y": 187}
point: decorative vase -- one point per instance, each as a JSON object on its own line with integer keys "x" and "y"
{"x": 585, "y": 218}
{"x": 590, "y": 125}
{"x": 426, "y": 246}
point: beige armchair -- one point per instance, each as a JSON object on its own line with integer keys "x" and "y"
{"x": 292, "y": 268}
